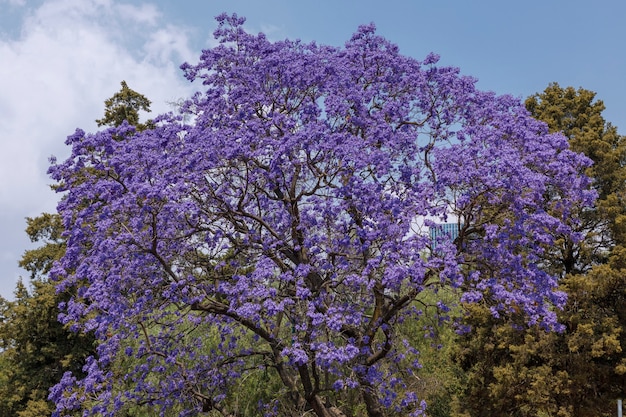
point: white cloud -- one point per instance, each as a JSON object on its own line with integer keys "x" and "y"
{"x": 70, "y": 56}
{"x": 167, "y": 45}
{"x": 145, "y": 13}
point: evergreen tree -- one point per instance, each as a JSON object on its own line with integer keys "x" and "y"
{"x": 513, "y": 370}
{"x": 125, "y": 105}
{"x": 36, "y": 349}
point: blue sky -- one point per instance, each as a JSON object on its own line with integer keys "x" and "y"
{"x": 60, "y": 59}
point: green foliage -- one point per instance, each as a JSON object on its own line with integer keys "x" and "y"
{"x": 509, "y": 370}
{"x": 45, "y": 229}
{"x": 517, "y": 371}
{"x": 513, "y": 370}
{"x": 36, "y": 348}
{"x": 579, "y": 118}
{"x": 125, "y": 105}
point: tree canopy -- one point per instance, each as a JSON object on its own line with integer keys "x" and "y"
{"x": 512, "y": 370}
{"x": 285, "y": 229}
{"x": 35, "y": 347}
{"x": 125, "y": 106}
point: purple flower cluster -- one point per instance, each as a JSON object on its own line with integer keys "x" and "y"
{"x": 283, "y": 228}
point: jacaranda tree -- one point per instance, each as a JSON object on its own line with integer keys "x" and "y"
{"x": 285, "y": 228}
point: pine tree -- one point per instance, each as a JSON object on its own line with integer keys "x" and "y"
{"x": 125, "y": 105}
{"x": 35, "y": 348}
{"x": 513, "y": 370}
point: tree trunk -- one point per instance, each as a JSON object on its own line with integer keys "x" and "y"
{"x": 371, "y": 403}
{"x": 319, "y": 408}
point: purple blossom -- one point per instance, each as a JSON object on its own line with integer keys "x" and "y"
{"x": 285, "y": 225}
